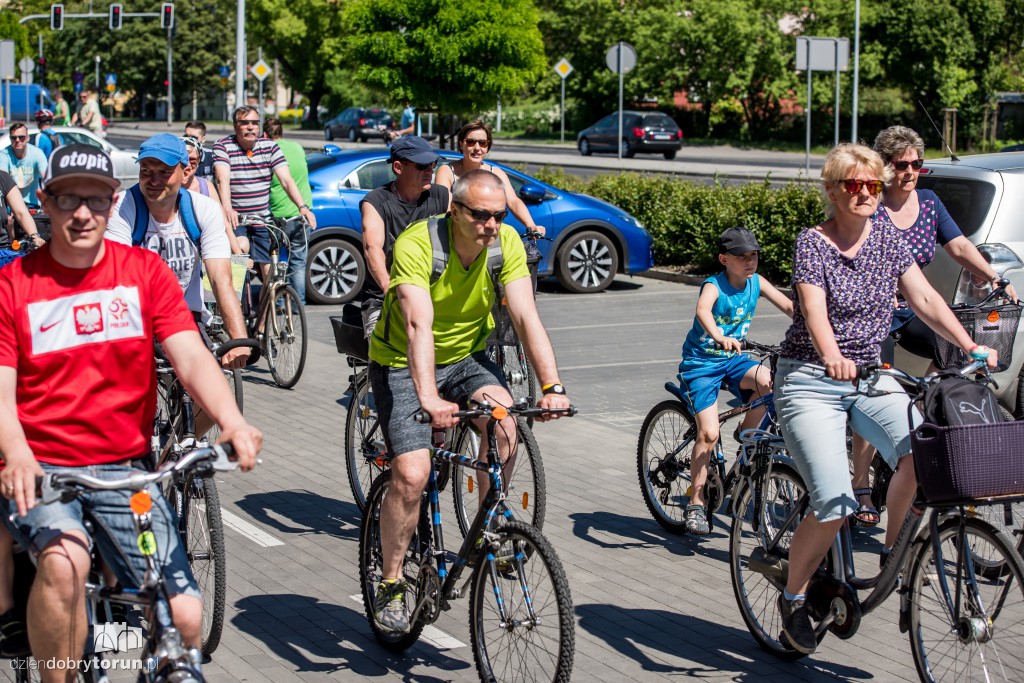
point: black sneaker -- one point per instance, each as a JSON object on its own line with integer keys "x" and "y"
{"x": 796, "y": 625}
{"x": 13, "y": 635}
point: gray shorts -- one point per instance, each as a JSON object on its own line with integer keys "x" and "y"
{"x": 397, "y": 402}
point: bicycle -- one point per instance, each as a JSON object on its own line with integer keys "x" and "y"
{"x": 518, "y": 592}
{"x": 666, "y": 444}
{"x": 193, "y": 495}
{"x": 943, "y": 597}
{"x": 164, "y": 655}
{"x": 273, "y": 313}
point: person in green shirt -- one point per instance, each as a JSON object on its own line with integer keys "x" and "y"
{"x": 283, "y": 207}
{"x": 428, "y": 351}
{"x": 61, "y": 110}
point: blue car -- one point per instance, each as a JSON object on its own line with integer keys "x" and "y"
{"x": 591, "y": 240}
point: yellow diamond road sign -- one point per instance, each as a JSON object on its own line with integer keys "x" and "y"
{"x": 260, "y": 70}
{"x": 563, "y": 68}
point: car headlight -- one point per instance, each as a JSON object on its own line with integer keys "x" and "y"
{"x": 1001, "y": 258}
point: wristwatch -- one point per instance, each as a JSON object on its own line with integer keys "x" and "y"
{"x": 303, "y": 207}
{"x": 555, "y": 388}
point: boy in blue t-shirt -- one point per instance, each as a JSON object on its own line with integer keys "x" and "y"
{"x": 711, "y": 354}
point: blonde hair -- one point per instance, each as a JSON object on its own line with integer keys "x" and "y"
{"x": 849, "y": 156}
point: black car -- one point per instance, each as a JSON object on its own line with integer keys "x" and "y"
{"x": 356, "y": 123}
{"x": 646, "y": 132}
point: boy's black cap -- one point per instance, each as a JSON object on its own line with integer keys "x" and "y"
{"x": 737, "y": 241}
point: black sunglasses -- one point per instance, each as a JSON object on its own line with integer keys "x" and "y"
{"x": 484, "y": 216}
{"x": 19, "y": 137}
{"x": 901, "y": 166}
{"x": 71, "y": 202}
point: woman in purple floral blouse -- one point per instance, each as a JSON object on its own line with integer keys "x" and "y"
{"x": 846, "y": 273}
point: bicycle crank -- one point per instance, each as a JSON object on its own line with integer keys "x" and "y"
{"x": 428, "y": 585}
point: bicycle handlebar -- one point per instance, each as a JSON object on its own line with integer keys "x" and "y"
{"x": 236, "y": 344}
{"x": 485, "y": 409}
{"x": 872, "y": 371}
{"x": 756, "y": 347}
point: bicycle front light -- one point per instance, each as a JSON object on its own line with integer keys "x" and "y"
{"x": 1001, "y": 258}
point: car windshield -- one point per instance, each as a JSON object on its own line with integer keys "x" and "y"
{"x": 967, "y": 200}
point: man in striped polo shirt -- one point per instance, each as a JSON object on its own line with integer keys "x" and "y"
{"x": 244, "y": 165}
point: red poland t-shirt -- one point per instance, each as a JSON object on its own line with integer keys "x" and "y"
{"x": 81, "y": 341}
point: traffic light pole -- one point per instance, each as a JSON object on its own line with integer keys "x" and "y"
{"x": 170, "y": 80}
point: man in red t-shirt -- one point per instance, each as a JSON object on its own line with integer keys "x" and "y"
{"x": 78, "y": 319}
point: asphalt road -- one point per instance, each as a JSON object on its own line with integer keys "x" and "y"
{"x": 649, "y": 606}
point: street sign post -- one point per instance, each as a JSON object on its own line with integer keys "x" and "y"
{"x": 821, "y": 54}
{"x": 563, "y": 69}
{"x": 621, "y": 58}
{"x": 261, "y": 70}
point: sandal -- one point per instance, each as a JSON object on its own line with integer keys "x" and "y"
{"x": 865, "y": 515}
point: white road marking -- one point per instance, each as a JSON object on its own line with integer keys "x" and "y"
{"x": 431, "y": 634}
{"x": 250, "y": 531}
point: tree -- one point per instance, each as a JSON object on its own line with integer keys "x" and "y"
{"x": 454, "y": 55}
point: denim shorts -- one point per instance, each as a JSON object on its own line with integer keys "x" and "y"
{"x": 701, "y": 380}
{"x": 114, "y": 529}
{"x": 813, "y": 412}
{"x": 397, "y": 402}
{"x": 259, "y": 242}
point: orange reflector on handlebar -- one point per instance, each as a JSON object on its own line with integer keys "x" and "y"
{"x": 886, "y": 366}
{"x": 16, "y": 245}
{"x": 141, "y": 502}
{"x": 499, "y": 413}
{"x": 993, "y": 316}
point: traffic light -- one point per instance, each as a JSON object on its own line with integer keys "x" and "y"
{"x": 57, "y": 17}
{"x": 115, "y": 16}
{"x": 41, "y": 70}
{"x": 167, "y": 15}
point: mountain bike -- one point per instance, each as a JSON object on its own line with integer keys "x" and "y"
{"x": 666, "y": 445}
{"x": 520, "y": 609}
{"x": 273, "y": 312}
{"x": 193, "y": 494}
{"x": 962, "y": 622}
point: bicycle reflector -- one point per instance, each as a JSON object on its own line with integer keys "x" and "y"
{"x": 526, "y": 500}
{"x": 16, "y": 245}
{"x": 469, "y": 484}
{"x": 141, "y": 502}
{"x": 499, "y": 413}
{"x": 993, "y": 316}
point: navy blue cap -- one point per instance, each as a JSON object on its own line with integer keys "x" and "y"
{"x": 415, "y": 149}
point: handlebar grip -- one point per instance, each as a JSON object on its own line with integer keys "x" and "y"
{"x": 572, "y": 411}
{"x": 981, "y": 353}
{"x": 236, "y": 344}
{"x": 864, "y": 371}
{"x": 422, "y": 416}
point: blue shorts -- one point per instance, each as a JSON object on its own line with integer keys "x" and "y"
{"x": 259, "y": 242}
{"x": 701, "y": 380}
{"x": 114, "y": 529}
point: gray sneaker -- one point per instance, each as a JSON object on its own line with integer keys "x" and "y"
{"x": 697, "y": 520}
{"x": 392, "y": 612}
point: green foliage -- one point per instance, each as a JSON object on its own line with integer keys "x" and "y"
{"x": 10, "y": 29}
{"x": 685, "y": 218}
{"x": 455, "y": 55}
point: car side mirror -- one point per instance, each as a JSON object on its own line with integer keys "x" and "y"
{"x": 532, "y": 194}
{"x": 332, "y": 149}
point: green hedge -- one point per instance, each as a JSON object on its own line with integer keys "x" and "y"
{"x": 686, "y": 217}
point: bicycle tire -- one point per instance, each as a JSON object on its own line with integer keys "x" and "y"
{"x": 1008, "y": 517}
{"x": 362, "y": 431}
{"x": 518, "y": 371}
{"x": 202, "y": 532}
{"x": 536, "y": 578}
{"x": 235, "y": 382}
{"x": 1002, "y": 597}
{"x": 666, "y": 493}
{"x": 526, "y": 488}
{"x": 756, "y": 594}
{"x": 286, "y": 338}
{"x": 371, "y": 566}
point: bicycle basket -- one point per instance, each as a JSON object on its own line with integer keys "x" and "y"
{"x": 969, "y": 462}
{"x": 991, "y": 326}
{"x": 239, "y": 265}
{"x": 348, "y": 333}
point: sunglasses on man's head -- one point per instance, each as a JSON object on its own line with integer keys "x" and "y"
{"x": 484, "y": 216}
{"x": 901, "y": 166}
{"x": 854, "y": 186}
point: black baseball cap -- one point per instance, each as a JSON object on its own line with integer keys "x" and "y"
{"x": 81, "y": 162}
{"x": 737, "y": 241}
{"x": 415, "y": 149}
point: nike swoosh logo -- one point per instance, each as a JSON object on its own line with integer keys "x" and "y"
{"x": 44, "y": 328}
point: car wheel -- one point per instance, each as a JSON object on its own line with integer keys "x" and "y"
{"x": 670, "y": 155}
{"x": 328, "y": 135}
{"x": 584, "y": 145}
{"x": 352, "y": 137}
{"x": 587, "y": 262}
{"x": 335, "y": 272}
{"x": 627, "y": 153}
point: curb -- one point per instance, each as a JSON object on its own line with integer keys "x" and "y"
{"x": 670, "y": 276}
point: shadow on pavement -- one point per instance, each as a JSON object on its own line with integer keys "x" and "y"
{"x": 612, "y": 530}
{"x": 321, "y": 637}
{"x": 714, "y": 648}
{"x": 308, "y": 513}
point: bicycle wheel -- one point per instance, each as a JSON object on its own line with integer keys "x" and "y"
{"x": 286, "y": 338}
{"x": 985, "y": 642}
{"x": 203, "y": 535}
{"x": 663, "y": 463}
{"x": 234, "y": 378}
{"x": 525, "y": 487}
{"x": 757, "y": 592}
{"x": 1009, "y": 517}
{"x": 534, "y": 639}
{"x": 371, "y": 566}
{"x": 365, "y": 453}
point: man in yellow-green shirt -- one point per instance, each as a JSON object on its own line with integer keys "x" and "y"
{"x": 428, "y": 351}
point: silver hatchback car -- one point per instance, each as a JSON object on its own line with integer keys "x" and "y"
{"x": 984, "y": 194}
